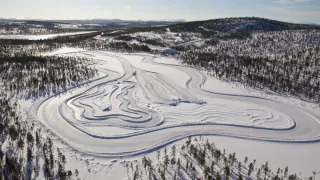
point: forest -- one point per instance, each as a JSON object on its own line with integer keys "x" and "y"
{"x": 198, "y": 158}
{"x": 30, "y": 76}
{"x": 285, "y": 62}
{"x": 25, "y": 151}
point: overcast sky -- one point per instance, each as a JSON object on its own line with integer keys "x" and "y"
{"x": 285, "y": 10}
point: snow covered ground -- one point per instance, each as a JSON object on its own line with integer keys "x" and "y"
{"x": 145, "y": 102}
{"x": 63, "y": 50}
{"x": 41, "y": 37}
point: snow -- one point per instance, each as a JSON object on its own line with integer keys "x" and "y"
{"x": 170, "y": 38}
{"x": 63, "y": 50}
{"x": 216, "y": 85}
{"x": 300, "y": 158}
{"x": 167, "y": 60}
{"x": 146, "y": 102}
{"x": 42, "y": 37}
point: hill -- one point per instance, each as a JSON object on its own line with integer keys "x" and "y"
{"x": 233, "y": 27}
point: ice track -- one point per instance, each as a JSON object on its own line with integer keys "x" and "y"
{"x": 141, "y": 105}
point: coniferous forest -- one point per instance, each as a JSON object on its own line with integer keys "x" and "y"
{"x": 31, "y": 76}
{"x": 27, "y": 151}
{"x": 285, "y": 62}
{"x": 198, "y": 158}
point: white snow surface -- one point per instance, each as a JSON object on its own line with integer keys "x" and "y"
{"x": 146, "y": 102}
{"x": 41, "y": 37}
{"x": 63, "y": 50}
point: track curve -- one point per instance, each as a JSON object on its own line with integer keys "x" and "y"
{"x": 153, "y": 104}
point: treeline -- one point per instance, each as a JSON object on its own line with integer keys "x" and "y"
{"x": 19, "y": 47}
{"x": 23, "y": 148}
{"x": 31, "y": 27}
{"x": 200, "y": 159}
{"x": 284, "y": 62}
{"x": 32, "y": 76}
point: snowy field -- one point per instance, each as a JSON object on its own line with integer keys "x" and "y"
{"x": 143, "y": 102}
{"x": 42, "y": 37}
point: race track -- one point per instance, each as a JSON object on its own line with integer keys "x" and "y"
{"x": 141, "y": 105}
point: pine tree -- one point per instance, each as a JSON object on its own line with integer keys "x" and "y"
{"x": 158, "y": 155}
{"x": 286, "y": 172}
{"x": 227, "y": 171}
{"x": 245, "y": 161}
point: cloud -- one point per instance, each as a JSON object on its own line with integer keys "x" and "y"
{"x": 302, "y": 1}
{"x": 290, "y": 1}
{"x": 282, "y": 1}
{"x": 291, "y": 11}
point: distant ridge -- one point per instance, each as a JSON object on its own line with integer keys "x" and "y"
{"x": 239, "y": 27}
{"x": 310, "y": 24}
{"x": 92, "y": 21}
{"x": 239, "y": 24}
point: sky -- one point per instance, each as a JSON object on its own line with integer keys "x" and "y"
{"x": 299, "y": 11}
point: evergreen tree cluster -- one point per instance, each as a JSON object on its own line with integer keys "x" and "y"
{"x": 22, "y": 147}
{"x": 20, "y": 47}
{"x": 39, "y": 76}
{"x": 31, "y": 28}
{"x": 200, "y": 159}
{"x": 281, "y": 61}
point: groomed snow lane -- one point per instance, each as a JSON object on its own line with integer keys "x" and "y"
{"x": 147, "y": 105}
